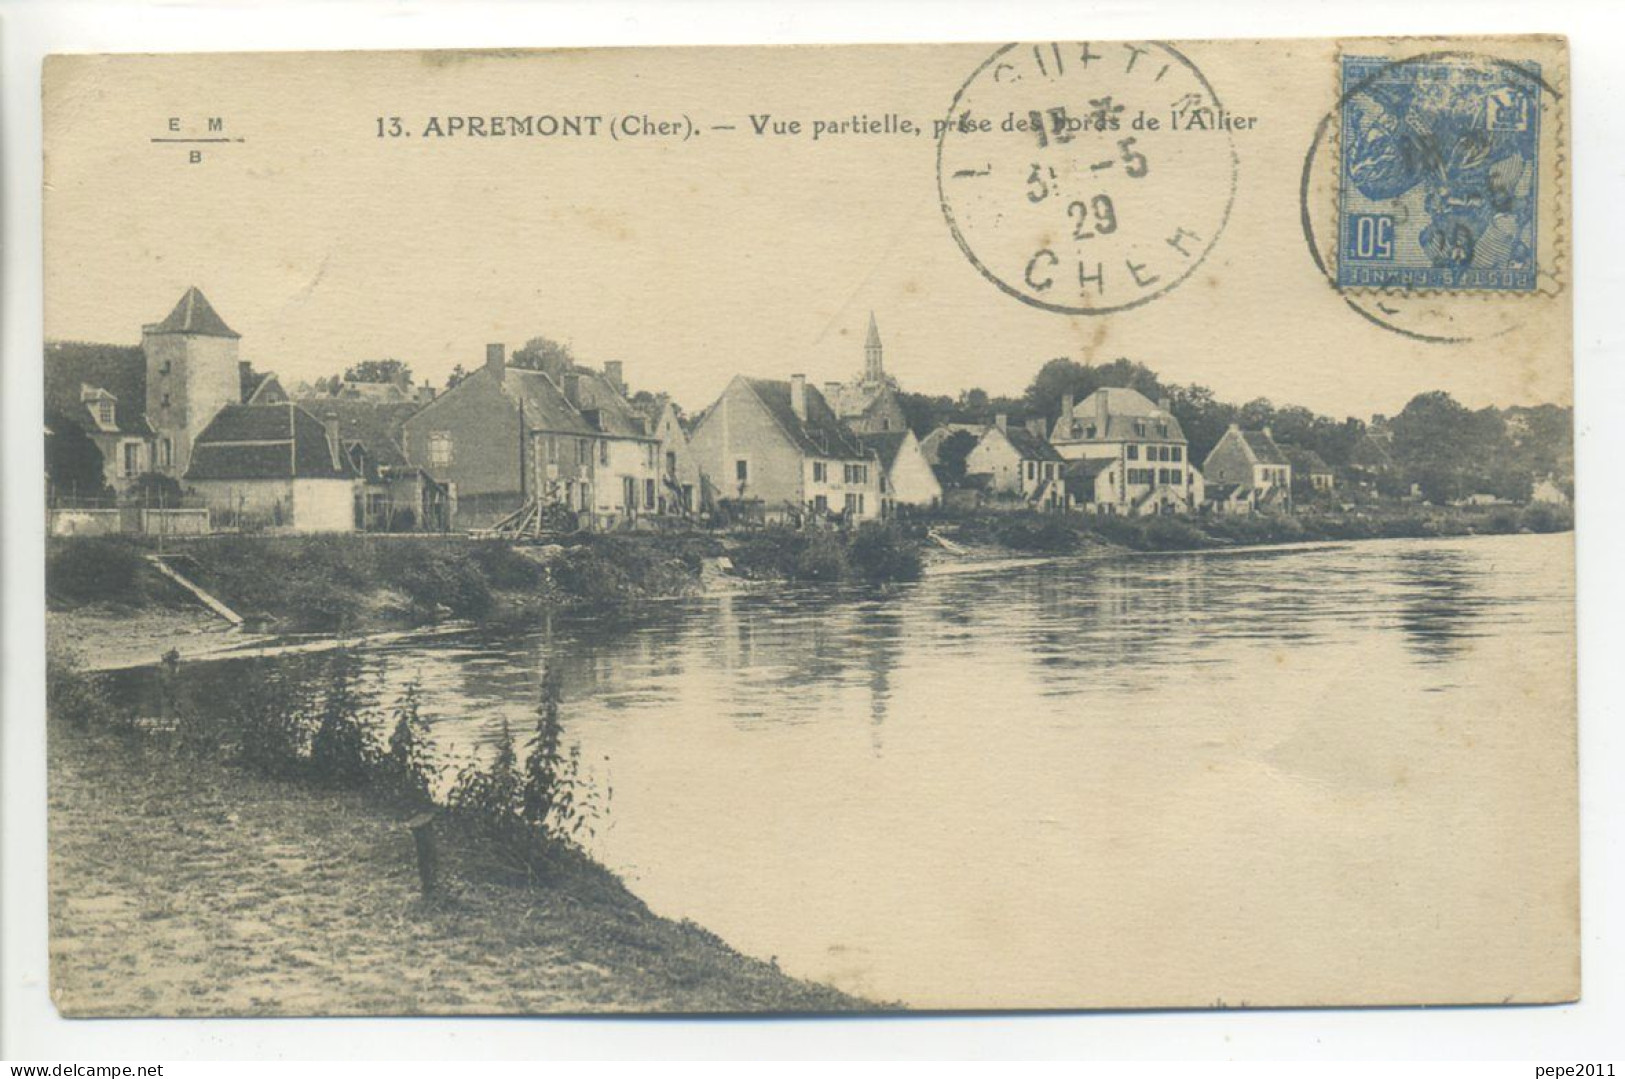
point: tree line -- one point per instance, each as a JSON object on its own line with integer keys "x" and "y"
{"x": 1437, "y": 443}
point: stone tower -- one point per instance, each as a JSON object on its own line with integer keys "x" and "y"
{"x": 873, "y": 369}
{"x": 191, "y": 375}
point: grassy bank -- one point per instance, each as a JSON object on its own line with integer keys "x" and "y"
{"x": 1036, "y": 533}
{"x": 204, "y": 867}
{"x": 348, "y": 582}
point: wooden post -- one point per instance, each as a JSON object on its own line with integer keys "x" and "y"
{"x": 428, "y": 859}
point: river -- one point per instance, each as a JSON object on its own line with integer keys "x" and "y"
{"x": 1151, "y": 780}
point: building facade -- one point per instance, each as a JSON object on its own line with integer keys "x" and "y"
{"x": 562, "y": 435}
{"x": 778, "y": 450}
{"x": 906, "y": 477}
{"x": 1122, "y": 425}
{"x": 1018, "y": 462}
{"x": 191, "y": 374}
{"x": 1255, "y": 464}
{"x": 273, "y": 468}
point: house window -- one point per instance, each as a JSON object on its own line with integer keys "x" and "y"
{"x": 885, "y": 424}
{"x": 854, "y": 504}
{"x": 552, "y": 444}
{"x": 856, "y": 473}
{"x": 741, "y": 470}
{"x": 583, "y": 451}
{"x": 1139, "y": 428}
{"x": 1134, "y": 453}
{"x": 671, "y": 463}
{"x": 649, "y": 494}
{"x": 820, "y": 472}
{"x": 440, "y": 448}
{"x": 132, "y": 458}
{"x": 821, "y": 503}
{"x": 165, "y": 402}
{"x": 1179, "y": 454}
{"x": 603, "y": 452}
{"x": 104, "y": 413}
{"x": 166, "y": 452}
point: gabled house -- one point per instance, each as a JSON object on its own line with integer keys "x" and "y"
{"x": 869, "y": 404}
{"x": 680, "y": 483}
{"x": 396, "y": 496}
{"x": 1370, "y": 460}
{"x": 777, "y": 450}
{"x": 506, "y": 436}
{"x": 906, "y": 477}
{"x": 273, "y": 467}
{"x": 1020, "y": 463}
{"x": 1123, "y": 425}
{"x": 1253, "y": 461}
{"x": 100, "y": 391}
{"x": 1309, "y": 467}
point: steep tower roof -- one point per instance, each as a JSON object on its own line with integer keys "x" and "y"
{"x": 873, "y": 340}
{"x": 194, "y": 315}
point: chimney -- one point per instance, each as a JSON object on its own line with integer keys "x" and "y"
{"x": 1002, "y": 421}
{"x": 571, "y": 385}
{"x": 496, "y": 359}
{"x": 798, "y": 396}
{"x": 1165, "y": 404}
{"x": 832, "y": 393}
{"x": 1100, "y": 410}
{"x": 1066, "y": 406}
{"x": 614, "y": 370}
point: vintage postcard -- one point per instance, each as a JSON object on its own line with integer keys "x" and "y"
{"x": 1041, "y": 525}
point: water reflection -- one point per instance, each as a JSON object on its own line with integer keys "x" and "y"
{"x": 801, "y": 771}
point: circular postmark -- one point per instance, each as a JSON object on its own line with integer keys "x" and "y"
{"x": 1413, "y": 116}
{"x": 1086, "y": 178}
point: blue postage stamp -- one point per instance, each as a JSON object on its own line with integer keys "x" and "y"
{"x": 1438, "y": 174}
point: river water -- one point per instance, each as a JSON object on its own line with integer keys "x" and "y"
{"x": 1177, "y": 779}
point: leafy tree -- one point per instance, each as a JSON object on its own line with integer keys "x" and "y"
{"x": 73, "y": 464}
{"x": 539, "y": 352}
{"x": 457, "y": 375}
{"x": 155, "y": 489}
{"x": 386, "y": 370}
{"x": 925, "y": 412}
{"x": 952, "y": 453}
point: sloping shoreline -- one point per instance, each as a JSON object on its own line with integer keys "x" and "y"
{"x": 181, "y": 887}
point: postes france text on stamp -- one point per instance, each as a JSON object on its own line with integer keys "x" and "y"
{"x": 1438, "y": 176}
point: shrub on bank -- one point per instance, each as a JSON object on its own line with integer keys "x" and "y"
{"x": 107, "y": 570}
{"x": 882, "y": 553}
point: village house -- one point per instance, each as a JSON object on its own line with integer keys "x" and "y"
{"x": 906, "y": 477}
{"x": 1370, "y": 461}
{"x": 680, "y": 481}
{"x": 100, "y": 391}
{"x": 396, "y": 496}
{"x": 1252, "y": 461}
{"x": 777, "y": 450}
{"x": 1018, "y": 463}
{"x": 1144, "y": 439}
{"x": 1310, "y": 468}
{"x": 273, "y": 467}
{"x": 869, "y": 404}
{"x": 562, "y": 435}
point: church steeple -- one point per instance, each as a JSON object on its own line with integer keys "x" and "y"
{"x": 873, "y": 370}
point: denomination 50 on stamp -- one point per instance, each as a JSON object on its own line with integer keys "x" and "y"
{"x": 1439, "y": 174}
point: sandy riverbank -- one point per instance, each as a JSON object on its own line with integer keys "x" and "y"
{"x": 181, "y": 887}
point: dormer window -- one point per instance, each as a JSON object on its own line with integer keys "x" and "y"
{"x": 104, "y": 412}
{"x": 1091, "y": 431}
{"x": 1139, "y": 428}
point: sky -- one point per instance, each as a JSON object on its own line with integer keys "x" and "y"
{"x": 689, "y": 261}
